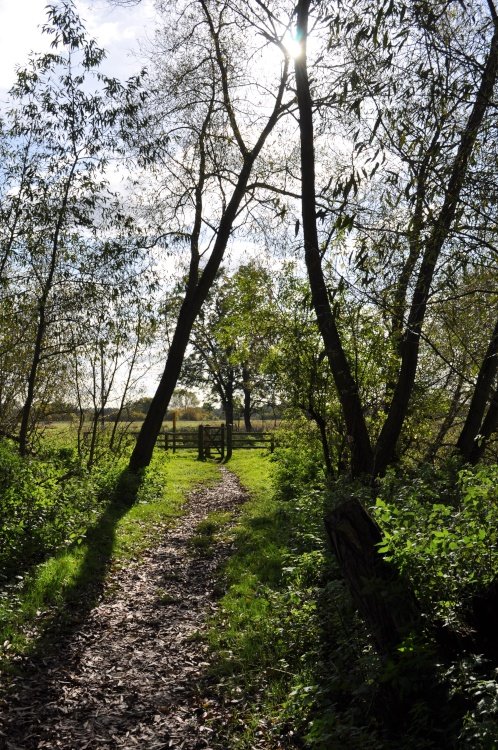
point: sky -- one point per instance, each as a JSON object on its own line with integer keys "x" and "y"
{"x": 117, "y": 29}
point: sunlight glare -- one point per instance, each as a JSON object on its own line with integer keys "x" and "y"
{"x": 292, "y": 45}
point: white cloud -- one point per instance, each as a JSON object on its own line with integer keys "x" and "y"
{"x": 20, "y": 34}
{"x": 117, "y": 29}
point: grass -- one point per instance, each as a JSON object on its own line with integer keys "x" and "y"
{"x": 66, "y": 584}
{"x": 248, "y": 635}
{"x": 209, "y": 531}
{"x": 68, "y": 428}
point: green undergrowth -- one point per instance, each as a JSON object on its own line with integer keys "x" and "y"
{"x": 291, "y": 656}
{"x": 34, "y": 606}
{"x": 266, "y": 637}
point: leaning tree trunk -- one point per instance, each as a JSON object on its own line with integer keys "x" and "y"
{"x": 472, "y": 435}
{"x": 199, "y": 284}
{"x": 384, "y": 599}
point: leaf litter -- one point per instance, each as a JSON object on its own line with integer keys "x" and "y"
{"x": 133, "y": 674}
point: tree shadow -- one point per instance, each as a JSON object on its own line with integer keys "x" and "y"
{"x": 32, "y": 688}
{"x": 80, "y": 596}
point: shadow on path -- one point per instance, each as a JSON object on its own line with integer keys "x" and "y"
{"x": 128, "y": 673}
{"x": 80, "y": 596}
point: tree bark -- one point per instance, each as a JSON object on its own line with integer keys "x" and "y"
{"x": 247, "y": 391}
{"x": 228, "y": 402}
{"x": 471, "y": 430}
{"x": 361, "y": 450}
{"x": 489, "y": 426}
{"x": 384, "y": 599}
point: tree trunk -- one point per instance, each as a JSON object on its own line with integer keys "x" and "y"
{"x": 384, "y": 599}
{"x": 385, "y": 450}
{"x": 30, "y": 394}
{"x": 374, "y": 584}
{"x": 246, "y": 389}
{"x": 361, "y": 450}
{"x": 322, "y": 428}
{"x": 489, "y": 426}
{"x": 228, "y": 403}
{"x": 151, "y": 427}
{"x": 471, "y": 430}
{"x": 198, "y": 287}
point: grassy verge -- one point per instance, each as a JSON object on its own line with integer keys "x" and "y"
{"x": 264, "y": 637}
{"x": 67, "y": 583}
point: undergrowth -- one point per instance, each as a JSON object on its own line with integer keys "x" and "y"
{"x": 291, "y": 655}
{"x": 123, "y": 517}
{"x": 287, "y": 644}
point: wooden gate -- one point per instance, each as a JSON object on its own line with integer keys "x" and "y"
{"x": 212, "y": 442}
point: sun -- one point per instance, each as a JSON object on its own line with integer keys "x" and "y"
{"x": 293, "y": 46}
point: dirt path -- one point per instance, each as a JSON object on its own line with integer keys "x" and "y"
{"x": 128, "y": 676}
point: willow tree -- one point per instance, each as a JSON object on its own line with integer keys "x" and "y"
{"x": 63, "y": 126}
{"x": 212, "y": 141}
{"x": 437, "y": 187}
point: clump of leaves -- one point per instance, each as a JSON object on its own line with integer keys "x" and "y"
{"x": 48, "y": 503}
{"x": 442, "y": 531}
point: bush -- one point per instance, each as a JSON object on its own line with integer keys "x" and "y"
{"x": 47, "y": 503}
{"x": 441, "y": 529}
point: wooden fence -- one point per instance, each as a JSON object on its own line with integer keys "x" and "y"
{"x": 210, "y": 441}
{"x": 213, "y": 442}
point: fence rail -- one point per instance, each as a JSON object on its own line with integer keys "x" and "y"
{"x": 210, "y": 441}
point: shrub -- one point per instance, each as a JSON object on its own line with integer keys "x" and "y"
{"x": 47, "y": 503}
{"x": 441, "y": 528}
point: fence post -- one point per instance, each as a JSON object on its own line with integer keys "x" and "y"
{"x": 272, "y": 442}
{"x": 222, "y": 442}
{"x": 174, "y": 442}
{"x": 229, "y": 441}
{"x": 165, "y": 440}
{"x": 200, "y": 443}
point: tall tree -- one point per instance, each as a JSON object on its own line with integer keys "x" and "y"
{"x": 359, "y": 560}
{"x": 63, "y": 134}
{"x": 216, "y": 89}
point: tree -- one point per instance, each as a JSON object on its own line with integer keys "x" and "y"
{"x": 231, "y": 337}
{"x": 216, "y": 116}
{"x": 60, "y": 136}
{"x": 360, "y": 561}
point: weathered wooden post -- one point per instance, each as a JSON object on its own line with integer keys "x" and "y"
{"x": 207, "y": 441}
{"x": 229, "y": 442}
{"x": 222, "y": 442}
{"x": 174, "y": 432}
{"x": 272, "y": 442}
{"x": 200, "y": 442}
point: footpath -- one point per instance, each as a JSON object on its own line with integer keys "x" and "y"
{"x": 130, "y": 674}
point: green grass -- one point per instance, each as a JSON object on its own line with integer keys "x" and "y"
{"x": 247, "y": 637}
{"x": 67, "y": 583}
{"x": 209, "y": 532}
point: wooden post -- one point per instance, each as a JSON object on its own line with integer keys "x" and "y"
{"x": 174, "y": 442}
{"x": 272, "y": 442}
{"x": 222, "y": 442}
{"x": 165, "y": 440}
{"x": 200, "y": 443}
{"x": 229, "y": 441}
